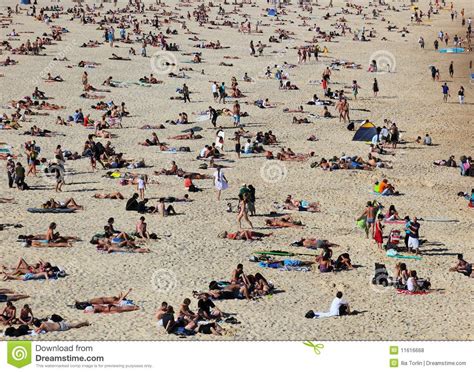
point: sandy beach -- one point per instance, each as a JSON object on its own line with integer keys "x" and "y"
{"x": 189, "y": 254}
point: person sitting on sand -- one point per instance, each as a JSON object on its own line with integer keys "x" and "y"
{"x": 172, "y": 171}
{"x": 412, "y": 282}
{"x": 343, "y": 262}
{"x": 339, "y": 307}
{"x": 171, "y": 326}
{"x": 205, "y": 312}
{"x": 141, "y": 228}
{"x": 392, "y": 214}
{"x": 154, "y": 141}
{"x": 8, "y": 315}
{"x": 385, "y": 188}
{"x": 26, "y": 315}
{"x": 462, "y": 267}
{"x": 56, "y": 78}
{"x": 283, "y": 222}
{"x": 164, "y": 210}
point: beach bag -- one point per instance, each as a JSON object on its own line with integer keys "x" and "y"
{"x": 361, "y": 223}
{"x": 343, "y": 310}
{"x": 310, "y": 314}
{"x": 186, "y": 149}
{"x": 56, "y": 318}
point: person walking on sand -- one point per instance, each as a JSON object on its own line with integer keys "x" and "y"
{"x": 220, "y": 182}
{"x": 445, "y": 90}
{"x": 244, "y": 210}
{"x": 451, "y": 69}
{"x": 369, "y": 216}
{"x": 461, "y": 95}
{"x": 186, "y": 93}
{"x": 222, "y": 93}
{"x": 375, "y": 87}
{"x": 215, "y": 91}
{"x": 141, "y": 186}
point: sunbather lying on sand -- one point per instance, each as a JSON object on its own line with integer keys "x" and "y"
{"x": 61, "y": 326}
{"x": 243, "y": 235}
{"x": 113, "y": 195}
{"x": 8, "y": 296}
{"x": 300, "y": 205}
{"x": 68, "y": 204}
{"x": 283, "y": 222}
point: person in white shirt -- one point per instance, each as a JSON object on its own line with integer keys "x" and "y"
{"x": 248, "y": 147}
{"x": 141, "y": 186}
{"x": 215, "y": 92}
{"x": 384, "y": 133}
{"x": 412, "y": 284}
{"x": 427, "y": 140}
{"x": 339, "y": 307}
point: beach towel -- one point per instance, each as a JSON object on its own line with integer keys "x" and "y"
{"x": 276, "y": 253}
{"x": 406, "y": 292}
{"x": 394, "y": 254}
{"x": 440, "y": 220}
{"x": 394, "y": 221}
{"x": 50, "y": 211}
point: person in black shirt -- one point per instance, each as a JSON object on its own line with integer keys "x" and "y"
{"x": 132, "y": 203}
{"x": 213, "y": 116}
{"x": 204, "y": 310}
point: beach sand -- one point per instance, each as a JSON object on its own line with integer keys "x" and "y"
{"x": 189, "y": 255}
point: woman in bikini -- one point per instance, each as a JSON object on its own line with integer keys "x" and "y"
{"x": 243, "y": 211}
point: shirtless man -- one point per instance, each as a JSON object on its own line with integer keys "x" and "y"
{"x": 8, "y": 315}
{"x": 140, "y": 228}
{"x": 161, "y": 312}
{"x": 61, "y": 326}
{"x": 369, "y": 215}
